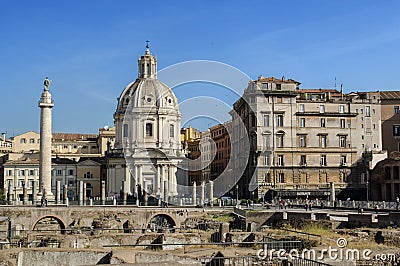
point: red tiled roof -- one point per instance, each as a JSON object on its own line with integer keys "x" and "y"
{"x": 319, "y": 91}
{"x": 73, "y": 136}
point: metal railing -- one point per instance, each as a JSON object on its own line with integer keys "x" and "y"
{"x": 240, "y": 261}
{"x": 307, "y": 262}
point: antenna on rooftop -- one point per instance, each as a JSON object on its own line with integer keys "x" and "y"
{"x": 335, "y": 83}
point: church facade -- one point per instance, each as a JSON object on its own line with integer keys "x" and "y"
{"x": 147, "y": 159}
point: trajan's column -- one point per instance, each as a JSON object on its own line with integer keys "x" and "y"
{"x": 45, "y": 104}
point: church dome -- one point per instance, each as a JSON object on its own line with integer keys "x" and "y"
{"x": 147, "y": 90}
{"x": 147, "y": 114}
{"x": 146, "y": 93}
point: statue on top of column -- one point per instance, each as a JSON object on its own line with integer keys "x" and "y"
{"x": 46, "y": 84}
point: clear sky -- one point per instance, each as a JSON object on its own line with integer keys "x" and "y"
{"x": 89, "y": 50}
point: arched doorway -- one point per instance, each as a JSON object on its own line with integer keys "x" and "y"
{"x": 162, "y": 223}
{"x": 51, "y": 224}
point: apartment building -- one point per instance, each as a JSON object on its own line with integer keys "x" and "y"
{"x": 300, "y": 141}
{"x": 206, "y": 144}
{"x": 390, "y": 112}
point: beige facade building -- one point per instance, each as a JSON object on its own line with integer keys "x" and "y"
{"x": 24, "y": 172}
{"x": 301, "y": 141}
{"x": 390, "y": 112}
{"x": 26, "y": 142}
{"x": 206, "y": 149}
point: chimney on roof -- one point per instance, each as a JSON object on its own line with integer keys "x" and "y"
{"x": 3, "y": 136}
{"x": 283, "y": 78}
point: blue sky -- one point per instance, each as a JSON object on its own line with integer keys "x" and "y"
{"x": 89, "y": 50}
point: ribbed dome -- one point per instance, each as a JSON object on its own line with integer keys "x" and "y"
{"x": 146, "y": 93}
{"x": 147, "y": 114}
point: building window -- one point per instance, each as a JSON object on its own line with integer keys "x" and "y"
{"x": 31, "y": 172}
{"x": 388, "y": 171}
{"x": 280, "y": 160}
{"x": 279, "y": 140}
{"x": 70, "y": 183}
{"x": 301, "y": 108}
{"x": 266, "y": 120}
{"x": 265, "y": 86}
{"x": 302, "y": 141}
{"x": 9, "y": 172}
{"x": 22, "y": 172}
{"x": 279, "y": 120}
{"x": 396, "y": 110}
{"x": 323, "y": 141}
{"x": 303, "y": 160}
{"x": 267, "y": 159}
{"x": 341, "y": 109}
{"x": 22, "y": 141}
{"x": 367, "y": 110}
{"x": 149, "y": 129}
{"x": 58, "y": 172}
{"x": 342, "y": 141}
{"x": 125, "y": 133}
{"x": 21, "y": 183}
{"x": 281, "y": 178}
{"x": 323, "y": 122}
{"x": 31, "y": 183}
{"x": 323, "y": 160}
{"x": 70, "y": 172}
{"x": 322, "y": 109}
{"x": 32, "y": 141}
{"x": 88, "y": 175}
{"x": 278, "y": 87}
{"x": 171, "y": 131}
{"x": 396, "y": 130}
{"x": 302, "y": 122}
{"x": 343, "y": 160}
{"x": 267, "y": 141}
{"x": 342, "y": 123}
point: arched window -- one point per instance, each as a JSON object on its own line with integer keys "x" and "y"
{"x": 23, "y": 141}
{"x": 149, "y": 129}
{"x": 32, "y": 141}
